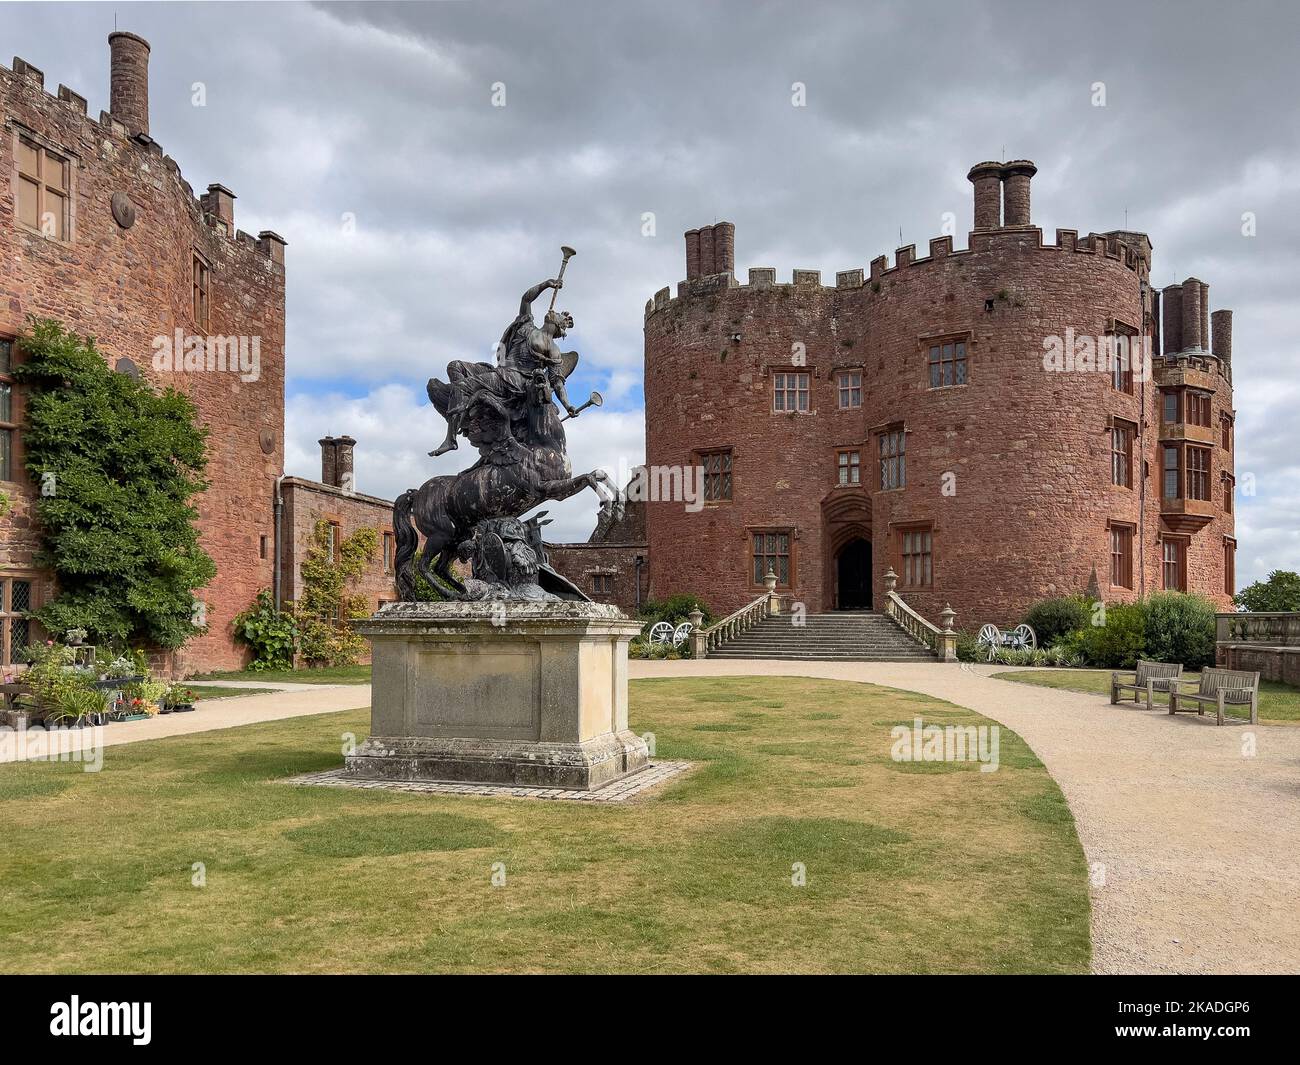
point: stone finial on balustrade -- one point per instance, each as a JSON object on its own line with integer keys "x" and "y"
{"x": 891, "y": 581}
{"x": 699, "y": 641}
{"x": 773, "y": 600}
{"x": 946, "y": 642}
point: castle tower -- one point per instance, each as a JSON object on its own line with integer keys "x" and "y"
{"x": 909, "y": 418}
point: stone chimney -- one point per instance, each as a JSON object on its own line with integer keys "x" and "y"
{"x": 1221, "y": 340}
{"x": 1193, "y": 292}
{"x": 329, "y": 462}
{"x": 987, "y": 179}
{"x": 1015, "y": 191}
{"x": 346, "y": 477}
{"x": 128, "y": 92}
{"x": 1172, "y": 302}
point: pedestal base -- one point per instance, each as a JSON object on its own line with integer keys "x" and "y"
{"x": 523, "y": 694}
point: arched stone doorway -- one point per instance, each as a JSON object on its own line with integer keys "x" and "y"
{"x": 846, "y": 550}
{"x": 853, "y": 575}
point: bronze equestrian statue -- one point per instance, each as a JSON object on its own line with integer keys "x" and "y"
{"x": 506, "y": 412}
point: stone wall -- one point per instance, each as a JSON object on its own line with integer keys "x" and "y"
{"x": 308, "y": 502}
{"x": 1011, "y": 471}
{"x": 612, "y": 562}
{"x": 126, "y": 286}
{"x": 1272, "y": 663}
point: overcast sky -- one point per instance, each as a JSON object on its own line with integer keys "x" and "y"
{"x": 416, "y": 211}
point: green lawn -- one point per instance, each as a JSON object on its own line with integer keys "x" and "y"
{"x": 911, "y": 867}
{"x": 1278, "y": 703}
{"x": 324, "y": 675}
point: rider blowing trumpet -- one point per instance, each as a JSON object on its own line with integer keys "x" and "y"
{"x": 530, "y": 368}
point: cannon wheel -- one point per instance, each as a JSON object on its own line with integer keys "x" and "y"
{"x": 681, "y": 633}
{"x": 991, "y": 637}
{"x": 1027, "y": 637}
{"x": 661, "y": 632}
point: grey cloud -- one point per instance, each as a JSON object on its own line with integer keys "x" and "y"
{"x": 684, "y": 109}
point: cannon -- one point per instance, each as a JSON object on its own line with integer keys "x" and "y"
{"x": 991, "y": 638}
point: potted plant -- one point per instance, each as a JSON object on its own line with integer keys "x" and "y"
{"x": 179, "y": 699}
{"x": 143, "y": 697}
{"x": 75, "y": 637}
{"x": 81, "y": 706}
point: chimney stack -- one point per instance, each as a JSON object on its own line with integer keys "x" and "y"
{"x": 1015, "y": 191}
{"x": 711, "y": 250}
{"x": 329, "y": 463}
{"x": 128, "y": 92}
{"x": 1172, "y": 299}
{"x": 1221, "y": 323}
{"x": 987, "y": 179}
{"x": 724, "y": 248}
{"x": 346, "y": 478}
{"x": 1205, "y": 316}
{"x": 692, "y": 254}
{"x": 1192, "y": 294}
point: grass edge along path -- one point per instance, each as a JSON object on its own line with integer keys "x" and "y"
{"x": 1279, "y": 704}
{"x": 192, "y": 854}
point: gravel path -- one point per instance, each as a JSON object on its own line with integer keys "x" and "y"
{"x": 1194, "y": 847}
{"x": 299, "y": 701}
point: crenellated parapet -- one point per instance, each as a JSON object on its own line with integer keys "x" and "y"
{"x": 1104, "y": 246}
{"x": 123, "y": 130}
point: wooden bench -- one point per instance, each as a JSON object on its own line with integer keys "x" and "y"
{"x": 1148, "y": 678}
{"x": 1220, "y": 687}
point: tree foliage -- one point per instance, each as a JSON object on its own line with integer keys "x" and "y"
{"x": 118, "y": 465}
{"x": 1281, "y": 591}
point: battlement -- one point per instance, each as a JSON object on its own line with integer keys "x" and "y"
{"x": 126, "y": 126}
{"x": 1132, "y": 253}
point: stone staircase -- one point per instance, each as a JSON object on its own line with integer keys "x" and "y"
{"x": 854, "y": 636}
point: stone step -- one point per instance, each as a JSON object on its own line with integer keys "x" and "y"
{"x": 858, "y": 636}
{"x": 819, "y": 657}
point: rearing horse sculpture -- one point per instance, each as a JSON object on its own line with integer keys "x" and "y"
{"x": 506, "y": 411}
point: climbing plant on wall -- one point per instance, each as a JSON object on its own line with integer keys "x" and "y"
{"x": 117, "y": 465}
{"x": 327, "y": 603}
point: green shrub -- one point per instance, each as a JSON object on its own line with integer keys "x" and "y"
{"x": 1053, "y": 618}
{"x": 272, "y": 635}
{"x": 1117, "y": 644}
{"x": 1180, "y": 628}
{"x": 675, "y": 609}
{"x": 967, "y": 649}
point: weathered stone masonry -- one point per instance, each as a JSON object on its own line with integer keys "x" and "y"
{"x": 129, "y": 278}
{"x": 1010, "y": 473}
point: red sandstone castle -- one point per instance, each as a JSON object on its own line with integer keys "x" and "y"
{"x": 956, "y": 418}
{"x": 981, "y": 422}
{"x": 99, "y": 230}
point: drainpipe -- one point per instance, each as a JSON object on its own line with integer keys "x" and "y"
{"x": 279, "y": 522}
{"x": 637, "y": 563}
{"x": 1143, "y": 289}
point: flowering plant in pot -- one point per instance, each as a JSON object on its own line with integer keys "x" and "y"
{"x": 179, "y": 699}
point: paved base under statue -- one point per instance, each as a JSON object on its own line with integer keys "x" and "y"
{"x": 523, "y": 694}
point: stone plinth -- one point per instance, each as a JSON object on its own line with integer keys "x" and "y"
{"x": 524, "y": 694}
